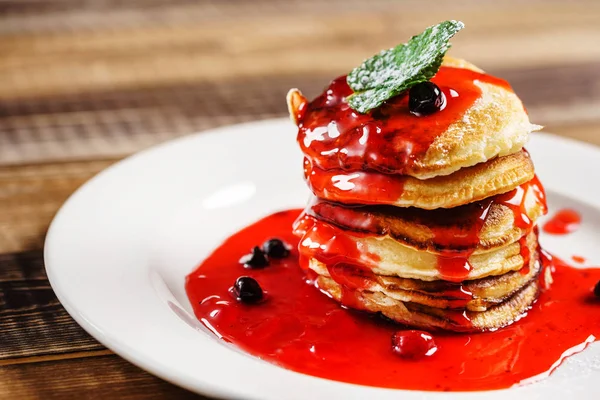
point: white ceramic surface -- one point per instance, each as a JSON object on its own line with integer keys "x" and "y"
{"x": 118, "y": 251}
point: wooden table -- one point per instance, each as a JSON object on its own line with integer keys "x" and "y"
{"x": 83, "y": 84}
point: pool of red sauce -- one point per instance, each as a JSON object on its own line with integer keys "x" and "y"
{"x": 301, "y": 329}
{"x": 563, "y": 222}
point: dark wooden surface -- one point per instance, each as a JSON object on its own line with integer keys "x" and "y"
{"x": 83, "y": 84}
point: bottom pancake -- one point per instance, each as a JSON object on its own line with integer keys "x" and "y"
{"x": 430, "y": 318}
{"x": 475, "y": 295}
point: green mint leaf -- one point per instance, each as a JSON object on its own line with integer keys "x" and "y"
{"x": 393, "y": 71}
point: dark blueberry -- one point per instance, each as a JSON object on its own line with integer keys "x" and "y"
{"x": 247, "y": 290}
{"x": 425, "y": 98}
{"x": 276, "y": 248}
{"x": 256, "y": 259}
{"x": 597, "y": 290}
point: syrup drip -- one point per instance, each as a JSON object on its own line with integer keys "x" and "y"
{"x": 578, "y": 259}
{"x": 301, "y": 329}
{"x": 563, "y": 222}
{"x": 516, "y": 201}
{"x": 388, "y": 139}
{"x": 356, "y": 187}
{"x": 349, "y": 263}
{"x": 331, "y": 245}
{"x": 456, "y": 269}
{"x": 525, "y": 254}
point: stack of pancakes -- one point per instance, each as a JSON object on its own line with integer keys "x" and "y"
{"x": 449, "y": 244}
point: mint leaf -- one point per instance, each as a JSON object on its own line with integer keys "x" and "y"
{"x": 393, "y": 71}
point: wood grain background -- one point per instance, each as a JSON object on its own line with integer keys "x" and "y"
{"x": 85, "y": 83}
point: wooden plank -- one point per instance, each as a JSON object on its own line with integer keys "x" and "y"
{"x": 38, "y": 324}
{"x": 64, "y": 15}
{"x": 55, "y": 357}
{"x": 585, "y": 131}
{"x": 30, "y": 195}
{"x": 32, "y": 320}
{"x": 115, "y": 123}
{"x": 104, "y": 377}
{"x": 20, "y": 268}
{"x": 297, "y": 43}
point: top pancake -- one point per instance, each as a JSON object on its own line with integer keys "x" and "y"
{"x": 496, "y": 125}
{"x": 387, "y": 140}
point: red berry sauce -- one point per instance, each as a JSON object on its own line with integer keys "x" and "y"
{"x": 388, "y": 139}
{"x": 578, "y": 259}
{"x": 299, "y": 328}
{"x": 563, "y": 222}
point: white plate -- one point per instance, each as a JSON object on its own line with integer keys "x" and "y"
{"x": 118, "y": 251}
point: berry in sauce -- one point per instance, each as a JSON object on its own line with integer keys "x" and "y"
{"x": 247, "y": 290}
{"x": 413, "y": 344}
{"x": 597, "y": 290}
{"x": 276, "y": 248}
{"x": 256, "y": 259}
{"x": 425, "y": 98}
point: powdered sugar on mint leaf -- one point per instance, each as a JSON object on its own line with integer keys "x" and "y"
{"x": 393, "y": 71}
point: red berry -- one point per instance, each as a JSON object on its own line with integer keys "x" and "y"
{"x": 413, "y": 344}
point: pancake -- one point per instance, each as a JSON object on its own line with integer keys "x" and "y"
{"x": 494, "y": 125}
{"x": 467, "y": 185}
{"x": 482, "y": 226}
{"x": 384, "y": 255}
{"x": 433, "y": 319}
{"x": 476, "y": 295}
